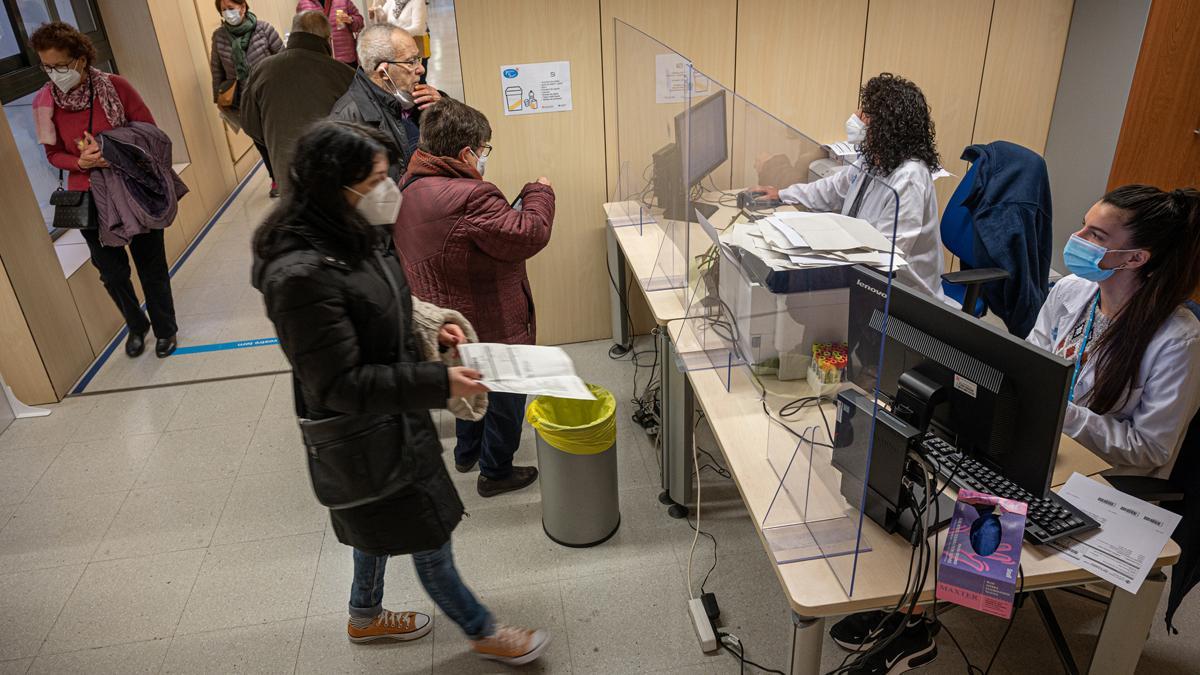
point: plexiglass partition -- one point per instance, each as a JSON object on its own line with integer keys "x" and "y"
{"x": 775, "y": 288}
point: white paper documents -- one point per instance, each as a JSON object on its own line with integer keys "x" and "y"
{"x": 1132, "y": 533}
{"x": 525, "y": 369}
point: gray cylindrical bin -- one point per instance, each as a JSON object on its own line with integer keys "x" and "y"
{"x": 577, "y": 468}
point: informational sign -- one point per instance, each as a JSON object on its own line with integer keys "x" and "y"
{"x": 673, "y": 77}
{"x": 533, "y": 88}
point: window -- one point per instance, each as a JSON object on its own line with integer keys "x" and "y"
{"x": 20, "y": 76}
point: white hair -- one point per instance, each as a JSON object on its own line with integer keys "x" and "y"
{"x": 375, "y": 45}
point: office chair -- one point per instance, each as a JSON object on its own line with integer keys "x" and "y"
{"x": 958, "y": 235}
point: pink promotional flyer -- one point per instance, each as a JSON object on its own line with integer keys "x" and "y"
{"x": 978, "y": 566}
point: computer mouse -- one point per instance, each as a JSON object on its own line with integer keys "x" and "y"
{"x": 985, "y": 531}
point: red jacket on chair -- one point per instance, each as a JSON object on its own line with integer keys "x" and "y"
{"x": 464, "y": 246}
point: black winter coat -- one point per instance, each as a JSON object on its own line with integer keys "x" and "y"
{"x": 340, "y": 327}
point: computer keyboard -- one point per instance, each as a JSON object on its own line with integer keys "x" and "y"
{"x": 1049, "y": 518}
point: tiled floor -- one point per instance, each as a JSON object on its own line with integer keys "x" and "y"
{"x": 173, "y": 529}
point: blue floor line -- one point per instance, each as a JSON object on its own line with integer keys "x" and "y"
{"x": 226, "y": 346}
{"x": 187, "y": 252}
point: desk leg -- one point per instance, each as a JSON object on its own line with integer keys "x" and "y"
{"x": 621, "y": 330}
{"x": 1126, "y": 625}
{"x": 808, "y": 635}
{"x": 675, "y": 430}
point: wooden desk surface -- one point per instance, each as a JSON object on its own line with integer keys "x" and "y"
{"x": 813, "y": 588}
{"x": 641, "y": 246}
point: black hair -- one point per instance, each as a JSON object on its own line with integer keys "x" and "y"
{"x": 900, "y": 128}
{"x": 329, "y": 156}
{"x": 1167, "y": 224}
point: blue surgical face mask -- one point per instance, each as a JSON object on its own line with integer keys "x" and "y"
{"x": 1083, "y": 257}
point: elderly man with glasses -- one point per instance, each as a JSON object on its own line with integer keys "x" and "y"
{"x": 387, "y": 92}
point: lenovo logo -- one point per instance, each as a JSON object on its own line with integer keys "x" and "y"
{"x": 874, "y": 290}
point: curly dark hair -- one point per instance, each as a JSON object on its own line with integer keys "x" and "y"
{"x": 64, "y": 36}
{"x": 901, "y": 128}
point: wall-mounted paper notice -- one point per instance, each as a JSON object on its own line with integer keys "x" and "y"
{"x": 533, "y": 88}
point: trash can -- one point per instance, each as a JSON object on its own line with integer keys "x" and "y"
{"x": 577, "y": 466}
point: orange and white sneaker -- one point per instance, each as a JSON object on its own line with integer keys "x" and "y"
{"x": 512, "y": 646}
{"x": 399, "y": 626}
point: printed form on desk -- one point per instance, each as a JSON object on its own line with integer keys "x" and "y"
{"x": 525, "y": 369}
{"x": 1132, "y": 533}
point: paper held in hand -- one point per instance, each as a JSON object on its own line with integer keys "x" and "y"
{"x": 525, "y": 369}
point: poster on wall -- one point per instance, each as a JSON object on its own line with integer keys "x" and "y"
{"x": 534, "y": 88}
{"x": 671, "y": 79}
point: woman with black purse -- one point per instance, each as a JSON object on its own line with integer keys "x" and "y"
{"x": 79, "y": 102}
{"x": 353, "y": 334}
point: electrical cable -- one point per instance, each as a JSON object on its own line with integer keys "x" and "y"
{"x": 696, "y": 537}
{"x": 740, "y": 654}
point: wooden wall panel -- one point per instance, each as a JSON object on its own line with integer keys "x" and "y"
{"x": 1020, "y": 74}
{"x": 703, "y": 32}
{"x": 100, "y": 317}
{"x": 939, "y": 45}
{"x": 186, "y": 60}
{"x": 570, "y": 284}
{"x": 19, "y": 361}
{"x": 27, "y": 253}
{"x": 802, "y": 60}
{"x": 129, "y": 30}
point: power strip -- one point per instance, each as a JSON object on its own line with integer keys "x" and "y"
{"x": 703, "y": 625}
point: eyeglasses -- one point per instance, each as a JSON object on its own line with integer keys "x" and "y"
{"x": 487, "y": 150}
{"x": 61, "y": 70}
{"x": 407, "y": 63}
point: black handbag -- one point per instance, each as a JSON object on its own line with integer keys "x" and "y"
{"x": 75, "y": 209}
{"x": 358, "y": 459}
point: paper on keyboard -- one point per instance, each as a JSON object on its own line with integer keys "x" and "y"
{"x": 525, "y": 369}
{"x": 833, "y": 231}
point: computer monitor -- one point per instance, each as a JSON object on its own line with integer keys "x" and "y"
{"x": 703, "y": 125}
{"x": 1003, "y": 398}
{"x": 701, "y": 130}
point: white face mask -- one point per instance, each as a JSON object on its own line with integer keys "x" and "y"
{"x": 856, "y": 129}
{"x": 480, "y": 162}
{"x": 381, "y": 204}
{"x": 65, "y": 81}
{"x": 405, "y": 98}
{"x": 232, "y": 16}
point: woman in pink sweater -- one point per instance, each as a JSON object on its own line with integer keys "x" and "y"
{"x": 346, "y": 22}
{"x": 78, "y": 103}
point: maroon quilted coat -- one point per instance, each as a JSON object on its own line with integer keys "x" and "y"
{"x": 464, "y": 247}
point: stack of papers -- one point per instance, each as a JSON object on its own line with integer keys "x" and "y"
{"x": 802, "y": 240}
{"x": 843, "y": 150}
{"x": 525, "y": 369}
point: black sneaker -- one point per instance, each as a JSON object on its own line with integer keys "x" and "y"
{"x": 521, "y": 476}
{"x": 858, "y": 632}
{"x": 463, "y": 468}
{"x": 910, "y": 649}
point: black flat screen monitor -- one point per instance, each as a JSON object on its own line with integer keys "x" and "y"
{"x": 1005, "y": 397}
{"x": 701, "y": 128}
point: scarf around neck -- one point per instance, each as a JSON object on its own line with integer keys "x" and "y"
{"x": 96, "y": 87}
{"x": 239, "y": 37}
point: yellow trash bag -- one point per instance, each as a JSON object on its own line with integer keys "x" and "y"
{"x": 574, "y": 426}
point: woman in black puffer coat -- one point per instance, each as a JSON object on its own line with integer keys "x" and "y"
{"x": 319, "y": 263}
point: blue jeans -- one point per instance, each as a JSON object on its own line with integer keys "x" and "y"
{"x": 440, "y": 579}
{"x": 494, "y": 439}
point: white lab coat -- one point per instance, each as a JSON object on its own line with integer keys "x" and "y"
{"x": 918, "y": 237}
{"x": 1144, "y": 436}
{"x": 413, "y": 16}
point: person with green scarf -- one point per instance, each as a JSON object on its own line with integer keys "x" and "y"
{"x": 238, "y": 44}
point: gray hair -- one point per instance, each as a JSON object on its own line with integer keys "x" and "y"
{"x": 312, "y": 22}
{"x": 375, "y": 45}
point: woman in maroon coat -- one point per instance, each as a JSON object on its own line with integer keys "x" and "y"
{"x": 464, "y": 247}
